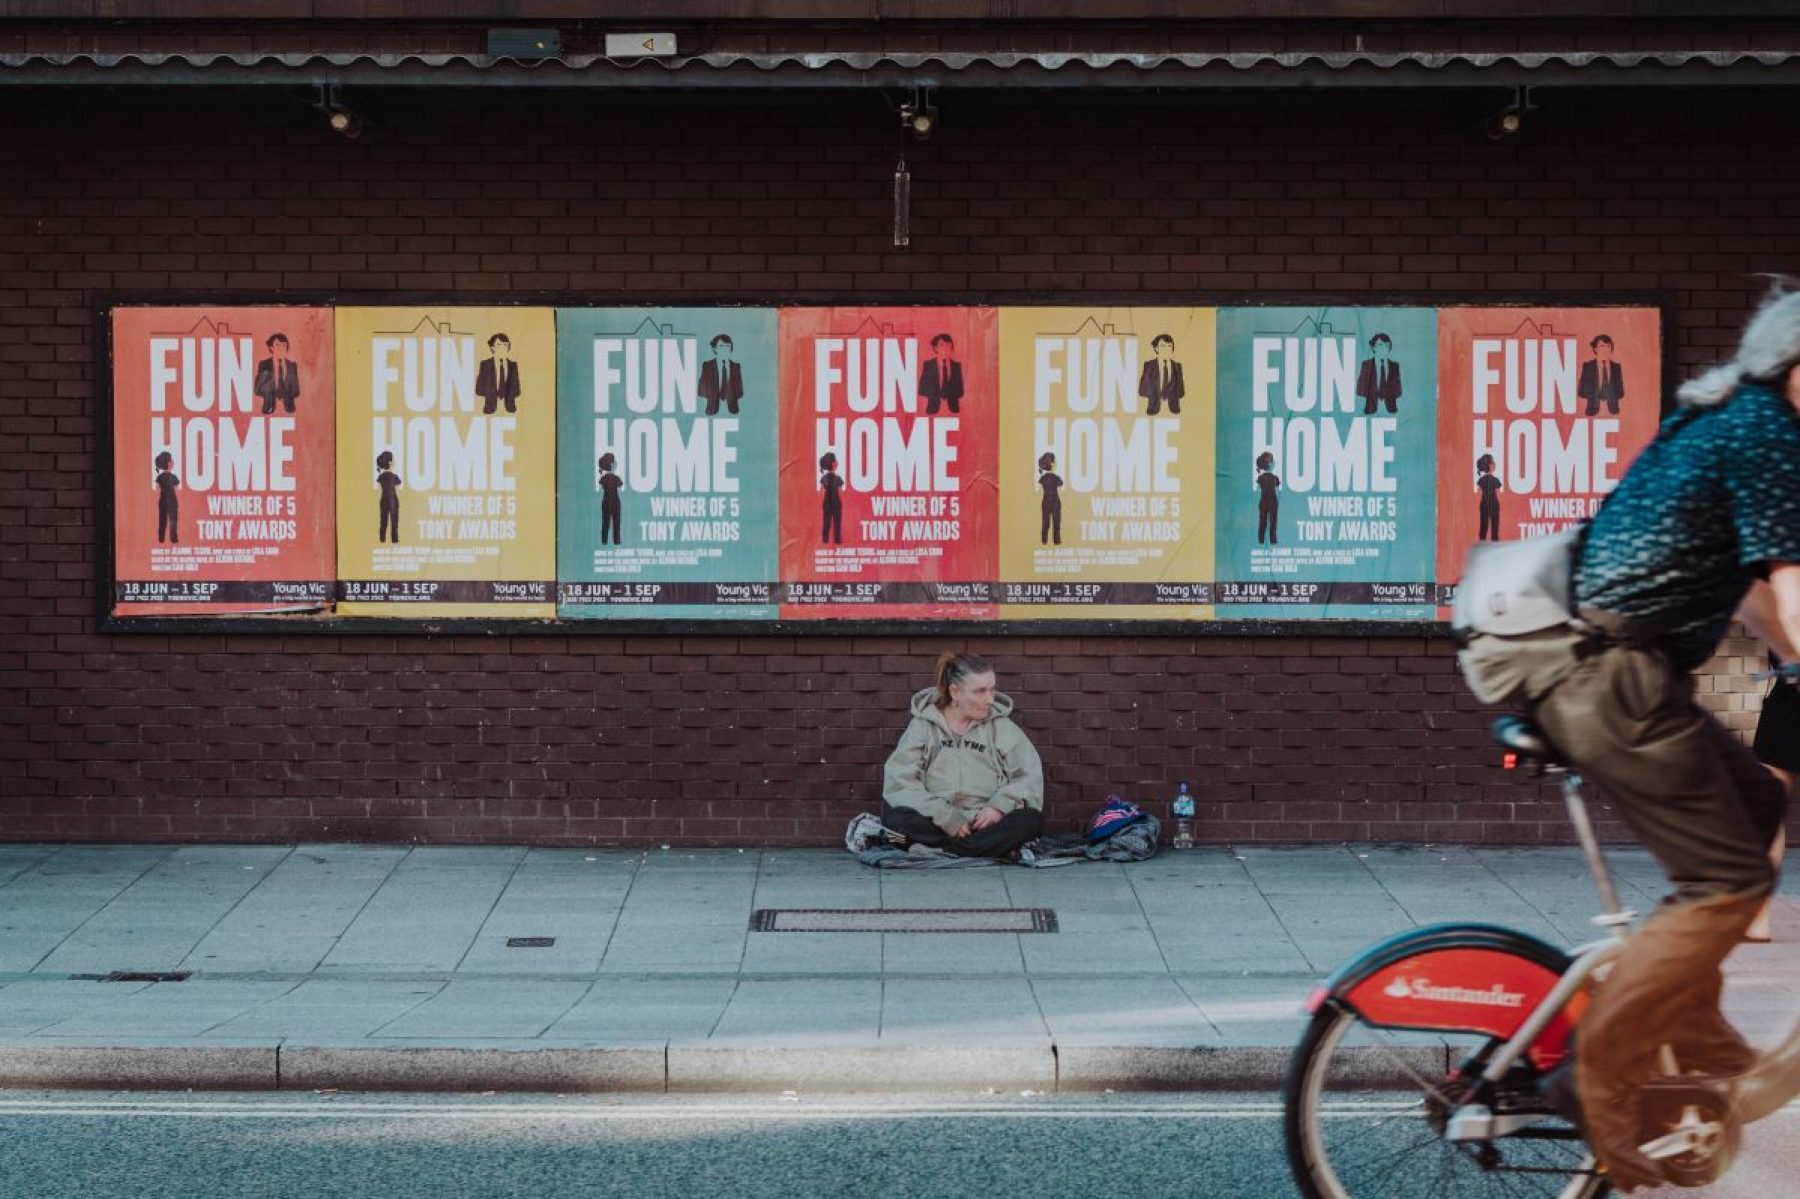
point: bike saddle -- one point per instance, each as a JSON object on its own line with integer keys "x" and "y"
{"x": 1520, "y": 736}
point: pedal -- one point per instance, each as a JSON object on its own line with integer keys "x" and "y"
{"x": 1692, "y": 1133}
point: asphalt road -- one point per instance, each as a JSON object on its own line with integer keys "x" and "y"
{"x": 200, "y": 1146}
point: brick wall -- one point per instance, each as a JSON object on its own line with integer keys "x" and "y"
{"x": 777, "y": 740}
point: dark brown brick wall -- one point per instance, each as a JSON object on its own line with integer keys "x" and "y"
{"x": 755, "y": 739}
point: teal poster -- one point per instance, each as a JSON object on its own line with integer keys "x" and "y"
{"x": 666, "y": 463}
{"x": 1327, "y": 463}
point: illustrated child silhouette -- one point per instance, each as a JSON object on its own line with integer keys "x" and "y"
{"x": 168, "y": 507}
{"x": 1268, "y": 506}
{"x": 1489, "y": 483}
{"x": 611, "y": 512}
{"x": 390, "y": 497}
{"x": 1051, "y": 482}
{"x": 832, "y": 510}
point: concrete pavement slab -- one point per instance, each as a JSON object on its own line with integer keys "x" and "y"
{"x": 42, "y": 905}
{"x": 942, "y": 954}
{"x": 1251, "y": 1011}
{"x": 1449, "y": 883}
{"x": 427, "y": 913}
{"x": 330, "y": 1010}
{"x": 571, "y": 896}
{"x": 643, "y": 1010}
{"x": 170, "y": 1010}
{"x": 161, "y": 902}
{"x": 36, "y": 1004}
{"x": 960, "y": 1011}
{"x": 1100, "y": 1011}
{"x": 678, "y": 948}
{"x": 1125, "y": 952}
{"x": 802, "y": 1012}
{"x": 480, "y": 1008}
{"x": 294, "y": 917}
{"x": 812, "y": 953}
{"x": 17, "y": 859}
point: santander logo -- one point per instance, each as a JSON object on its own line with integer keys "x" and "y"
{"x": 1421, "y": 988}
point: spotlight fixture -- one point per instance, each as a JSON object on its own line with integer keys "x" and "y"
{"x": 1510, "y": 119}
{"x": 919, "y": 116}
{"x": 343, "y": 119}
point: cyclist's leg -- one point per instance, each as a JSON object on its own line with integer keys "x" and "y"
{"x": 1697, "y": 800}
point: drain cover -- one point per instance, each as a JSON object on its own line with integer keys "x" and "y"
{"x": 530, "y": 942}
{"x": 146, "y": 976}
{"x": 903, "y": 920}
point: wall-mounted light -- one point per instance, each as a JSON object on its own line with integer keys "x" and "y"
{"x": 919, "y": 116}
{"x": 344, "y": 120}
{"x": 1510, "y": 119}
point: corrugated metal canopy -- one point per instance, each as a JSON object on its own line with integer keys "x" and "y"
{"x": 836, "y": 70}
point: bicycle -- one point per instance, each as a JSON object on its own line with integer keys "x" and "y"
{"x": 1466, "y": 1020}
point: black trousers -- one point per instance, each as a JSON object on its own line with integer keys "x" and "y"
{"x": 1490, "y": 522}
{"x": 995, "y": 841}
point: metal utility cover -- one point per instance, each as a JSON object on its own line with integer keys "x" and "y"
{"x": 903, "y": 920}
{"x": 640, "y": 45}
{"x": 524, "y": 44}
{"x": 530, "y": 942}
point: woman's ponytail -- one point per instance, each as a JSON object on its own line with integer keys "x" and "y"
{"x": 953, "y": 667}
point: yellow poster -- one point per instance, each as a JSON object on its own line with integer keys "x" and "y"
{"x": 446, "y": 462}
{"x": 1106, "y": 463}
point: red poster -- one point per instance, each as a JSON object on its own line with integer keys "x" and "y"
{"x": 1540, "y": 411}
{"x": 223, "y": 480}
{"x": 889, "y": 444}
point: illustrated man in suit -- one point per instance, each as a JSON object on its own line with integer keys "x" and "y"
{"x": 497, "y": 379}
{"x": 1602, "y": 379}
{"x": 1378, "y": 381}
{"x": 941, "y": 381}
{"x": 277, "y": 377}
{"x": 721, "y": 379}
{"x": 1161, "y": 383}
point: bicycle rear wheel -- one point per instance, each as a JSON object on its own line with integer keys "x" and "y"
{"x": 1364, "y": 1119}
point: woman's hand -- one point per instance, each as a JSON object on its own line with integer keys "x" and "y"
{"x": 984, "y": 818}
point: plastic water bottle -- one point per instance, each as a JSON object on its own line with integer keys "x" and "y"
{"x": 1184, "y": 818}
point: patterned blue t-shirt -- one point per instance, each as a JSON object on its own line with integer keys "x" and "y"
{"x": 1708, "y": 506}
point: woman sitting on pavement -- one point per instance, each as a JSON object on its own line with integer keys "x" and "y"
{"x": 964, "y": 778}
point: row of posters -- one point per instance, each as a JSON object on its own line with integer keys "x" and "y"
{"x": 875, "y": 463}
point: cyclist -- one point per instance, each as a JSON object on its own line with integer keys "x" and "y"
{"x": 1707, "y": 517}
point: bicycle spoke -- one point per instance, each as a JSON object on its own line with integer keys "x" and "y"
{"x": 1394, "y": 1146}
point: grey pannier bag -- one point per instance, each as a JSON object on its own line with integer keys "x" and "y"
{"x": 1513, "y": 617}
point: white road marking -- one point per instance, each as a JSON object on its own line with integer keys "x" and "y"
{"x": 776, "y": 1110}
{"x": 324, "y": 1108}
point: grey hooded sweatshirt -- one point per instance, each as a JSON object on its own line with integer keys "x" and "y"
{"x": 947, "y": 777}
